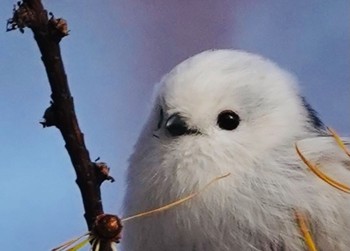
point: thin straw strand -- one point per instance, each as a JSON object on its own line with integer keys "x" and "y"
{"x": 79, "y": 245}
{"x": 302, "y": 223}
{"x": 177, "y": 202}
{"x": 321, "y": 175}
{"x": 339, "y": 141}
{"x": 68, "y": 243}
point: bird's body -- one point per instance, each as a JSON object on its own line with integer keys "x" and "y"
{"x": 233, "y": 112}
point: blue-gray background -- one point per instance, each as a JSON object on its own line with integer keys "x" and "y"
{"x": 114, "y": 54}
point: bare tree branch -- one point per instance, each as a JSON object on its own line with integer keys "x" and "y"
{"x": 48, "y": 32}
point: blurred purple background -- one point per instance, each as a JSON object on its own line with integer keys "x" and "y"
{"x": 116, "y": 52}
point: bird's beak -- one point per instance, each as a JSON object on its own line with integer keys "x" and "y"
{"x": 176, "y": 126}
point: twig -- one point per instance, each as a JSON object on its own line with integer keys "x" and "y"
{"x": 48, "y": 32}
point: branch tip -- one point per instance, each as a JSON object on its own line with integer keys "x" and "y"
{"x": 28, "y": 14}
{"x": 107, "y": 227}
{"x": 49, "y": 117}
{"x": 22, "y": 16}
{"x": 102, "y": 171}
{"x": 58, "y": 27}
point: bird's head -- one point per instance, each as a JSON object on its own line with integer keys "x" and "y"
{"x": 223, "y": 106}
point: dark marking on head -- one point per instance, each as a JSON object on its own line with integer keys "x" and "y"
{"x": 314, "y": 120}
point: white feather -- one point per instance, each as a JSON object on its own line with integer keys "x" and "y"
{"x": 253, "y": 208}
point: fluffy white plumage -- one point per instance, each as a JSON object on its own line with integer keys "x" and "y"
{"x": 252, "y": 209}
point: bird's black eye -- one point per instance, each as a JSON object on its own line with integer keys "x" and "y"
{"x": 228, "y": 120}
{"x": 161, "y": 117}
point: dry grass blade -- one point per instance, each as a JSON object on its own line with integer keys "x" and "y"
{"x": 303, "y": 226}
{"x": 71, "y": 242}
{"x": 79, "y": 245}
{"x": 177, "y": 202}
{"x": 321, "y": 175}
{"x": 339, "y": 141}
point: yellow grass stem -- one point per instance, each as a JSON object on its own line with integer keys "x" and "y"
{"x": 175, "y": 203}
{"x": 303, "y": 227}
{"x": 321, "y": 175}
{"x": 339, "y": 141}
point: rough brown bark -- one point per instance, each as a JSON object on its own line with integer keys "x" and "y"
{"x": 48, "y": 32}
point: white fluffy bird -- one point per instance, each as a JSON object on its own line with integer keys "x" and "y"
{"x": 226, "y": 111}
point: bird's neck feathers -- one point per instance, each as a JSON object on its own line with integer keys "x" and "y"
{"x": 172, "y": 173}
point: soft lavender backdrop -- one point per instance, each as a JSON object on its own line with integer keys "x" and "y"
{"x": 117, "y": 50}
